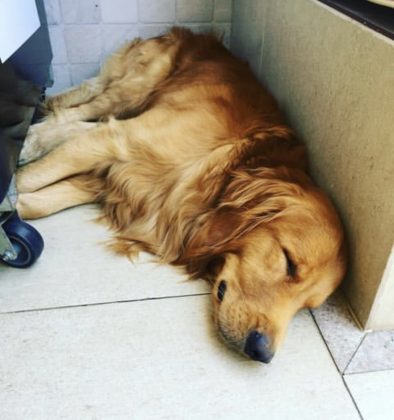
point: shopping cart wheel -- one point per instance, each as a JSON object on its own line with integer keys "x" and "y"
{"x": 26, "y": 241}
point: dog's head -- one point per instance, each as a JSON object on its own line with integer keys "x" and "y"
{"x": 274, "y": 245}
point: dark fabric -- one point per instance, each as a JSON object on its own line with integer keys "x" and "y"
{"x": 18, "y": 101}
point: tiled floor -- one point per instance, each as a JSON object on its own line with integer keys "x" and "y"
{"x": 353, "y": 350}
{"x": 88, "y": 335}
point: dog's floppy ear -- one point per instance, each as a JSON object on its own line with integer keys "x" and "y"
{"x": 214, "y": 234}
{"x": 251, "y": 198}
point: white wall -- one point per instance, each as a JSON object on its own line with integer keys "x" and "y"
{"x": 84, "y": 32}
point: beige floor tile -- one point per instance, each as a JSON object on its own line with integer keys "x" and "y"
{"x": 375, "y": 353}
{"x": 373, "y": 393}
{"x": 76, "y": 268}
{"x": 339, "y": 329}
{"x": 158, "y": 360}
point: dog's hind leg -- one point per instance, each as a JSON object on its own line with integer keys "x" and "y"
{"x": 124, "y": 84}
{"x": 129, "y": 78}
{"x": 76, "y": 95}
{"x": 54, "y": 198}
{"x": 91, "y": 88}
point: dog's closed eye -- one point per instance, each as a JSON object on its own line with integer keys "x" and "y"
{"x": 291, "y": 267}
{"x": 221, "y": 290}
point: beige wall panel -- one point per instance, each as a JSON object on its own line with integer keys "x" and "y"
{"x": 334, "y": 79}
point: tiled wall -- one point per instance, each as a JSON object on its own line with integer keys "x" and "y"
{"x": 84, "y": 32}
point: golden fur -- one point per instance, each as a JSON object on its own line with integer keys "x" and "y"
{"x": 191, "y": 160}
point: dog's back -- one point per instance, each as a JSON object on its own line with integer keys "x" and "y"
{"x": 204, "y": 70}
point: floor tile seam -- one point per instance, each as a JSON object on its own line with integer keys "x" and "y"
{"x": 336, "y": 366}
{"x": 325, "y": 343}
{"x": 112, "y": 302}
{"x": 354, "y": 353}
{"x": 362, "y": 372}
{"x": 351, "y": 397}
{"x": 329, "y": 349}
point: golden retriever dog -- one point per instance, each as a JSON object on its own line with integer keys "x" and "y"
{"x": 189, "y": 159}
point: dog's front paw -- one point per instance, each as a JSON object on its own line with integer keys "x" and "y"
{"x": 49, "y": 105}
{"x": 33, "y": 147}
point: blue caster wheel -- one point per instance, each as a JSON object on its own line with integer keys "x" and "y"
{"x": 26, "y": 241}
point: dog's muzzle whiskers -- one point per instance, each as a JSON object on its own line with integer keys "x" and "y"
{"x": 225, "y": 334}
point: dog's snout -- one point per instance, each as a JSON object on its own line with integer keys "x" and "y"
{"x": 257, "y": 347}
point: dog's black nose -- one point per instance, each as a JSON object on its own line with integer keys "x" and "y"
{"x": 257, "y": 347}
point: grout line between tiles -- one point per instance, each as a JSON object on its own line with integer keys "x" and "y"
{"x": 354, "y": 354}
{"x": 336, "y": 366}
{"x": 325, "y": 342}
{"x": 101, "y": 303}
{"x": 351, "y": 396}
{"x": 369, "y": 371}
